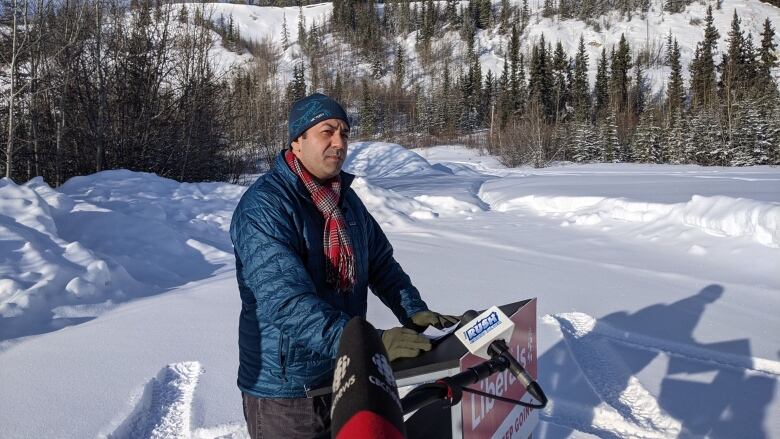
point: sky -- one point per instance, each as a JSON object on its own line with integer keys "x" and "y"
{"x": 656, "y": 286}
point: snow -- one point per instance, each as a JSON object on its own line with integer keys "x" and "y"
{"x": 657, "y": 290}
{"x": 643, "y": 32}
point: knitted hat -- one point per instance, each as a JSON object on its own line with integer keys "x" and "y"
{"x": 311, "y": 110}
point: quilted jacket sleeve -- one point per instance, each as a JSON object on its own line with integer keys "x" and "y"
{"x": 286, "y": 296}
{"x": 386, "y": 277}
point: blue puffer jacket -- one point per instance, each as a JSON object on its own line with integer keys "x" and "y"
{"x": 291, "y": 319}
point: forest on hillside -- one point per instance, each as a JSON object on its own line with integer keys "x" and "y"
{"x": 90, "y": 85}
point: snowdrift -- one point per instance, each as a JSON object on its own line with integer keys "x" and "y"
{"x": 98, "y": 240}
{"x": 719, "y": 216}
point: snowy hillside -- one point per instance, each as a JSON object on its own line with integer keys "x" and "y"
{"x": 657, "y": 290}
{"x": 257, "y": 23}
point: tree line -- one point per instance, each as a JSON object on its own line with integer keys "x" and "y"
{"x": 89, "y": 85}
{"x": 541, "y": 107}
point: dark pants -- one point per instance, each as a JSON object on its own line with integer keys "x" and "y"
{"x": 302, "y": 418}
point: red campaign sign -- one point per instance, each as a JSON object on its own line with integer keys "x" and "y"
{"x": 487, "y": 418}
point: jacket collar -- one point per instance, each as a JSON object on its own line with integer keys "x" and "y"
{"x": 289, "y": 177}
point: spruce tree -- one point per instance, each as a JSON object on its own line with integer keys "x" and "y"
{"x": 505, "y": 15}
{"x": 675, "y": 93}
{"x": 677, "y": 140}
{"x": 505, "y": 103}
{"x": 644, "y": 141}
{"x": 485, "y": 14}
{"x": 488, "y": 96}
{"x": 301, "y": 28}
{"x": 610, "y": 146}
{"x": 451, "y": 12}
{"x": 400, "y": 65}
{"x": 549, "y": 9}
{"x": 296, "y": 89}
{"x": 638, "y": 90}
{"x": 580, "y": 94}
{"x": 368, "y": 111}
{"x": 745, "y": 135}
{"x": 621, "y": 65}
{"x": 767, "y": 59}
{"x": 560, "y": 72}
{"x": 540, "y": 81}
{"x": 703, "y": 79}
{"x": 285, "y": 33}
{"x": 525, "y": 16}
{"x": 733, "y": 61}
{"x": 601, "y": 88}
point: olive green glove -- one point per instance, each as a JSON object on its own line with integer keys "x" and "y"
{"x": 403, "y": 342}
{"x": 423, "y": 319}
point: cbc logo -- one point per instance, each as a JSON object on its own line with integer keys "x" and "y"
{"x": 341, "y": 370}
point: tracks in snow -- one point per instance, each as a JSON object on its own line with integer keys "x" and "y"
{"x": 165, "y": 406}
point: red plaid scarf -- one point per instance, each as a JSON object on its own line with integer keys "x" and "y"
{"x": 339, "y": 257}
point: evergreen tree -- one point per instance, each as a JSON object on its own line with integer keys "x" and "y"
{"x": 586, "y": 143}
{"x": 540, "y": 82}
{"x": 566, "y": 9}
{"x": 451, "y": 12}
{"x": 488, "y": 97}
{"x": 767, "y": 59}
{"x": 506, "y": 13}
{"x": 549, "y": 8}
{"x": 369, "y": 120}
{"x": 745, "y": 138}
{"x": 485, "y": 14}
{"x": 301, "y": 28}
{"x": 580, "y": 94}
{"x": 505, "y": 98}
{"x": 296, "y": 89}
{"x": 285, "y": 33}
{"x": 525, "y": 16}
{"x": 677, "y": 141}
{"x": 703, "y": 80}
{"x": 400, "y": 65}
{"x": 675, "y": 93}
{"x": 404, "y": 18}
{"x": 621, "y": 65}
{"x": 517, "y": 72}
{"x": 560, "y": 72}
{"x": 638, "y": 90}
{"x": 601, "y": 88}
{"x": 610, "y": 146}
{"x": 732, "y": 66}
{"x": 644, "y": 141}
{"x": 183, "y": 14}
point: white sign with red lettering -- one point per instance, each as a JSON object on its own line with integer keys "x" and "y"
{"x": 487, "y": 418}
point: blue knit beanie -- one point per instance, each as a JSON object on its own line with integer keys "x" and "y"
{"x": 311, "y": 110}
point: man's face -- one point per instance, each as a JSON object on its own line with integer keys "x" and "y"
{"x": 323, "y": 148}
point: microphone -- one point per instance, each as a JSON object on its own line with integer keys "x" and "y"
{"x": 365, "y": 398}
{"x": 485, "y": 336}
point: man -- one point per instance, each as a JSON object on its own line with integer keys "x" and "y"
{"x": 306, "y": 251}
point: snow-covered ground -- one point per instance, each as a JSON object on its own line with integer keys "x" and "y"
{"x": 657, "y": 286}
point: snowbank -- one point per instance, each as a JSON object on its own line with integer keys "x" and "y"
{"x": 718, "y": 215}
{"x": 383, "y": 160}
{"x": 72, "y": 253}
